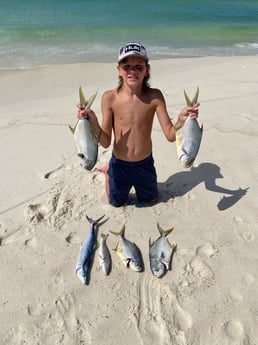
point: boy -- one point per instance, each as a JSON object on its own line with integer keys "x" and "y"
{"x": 129, "y": 111}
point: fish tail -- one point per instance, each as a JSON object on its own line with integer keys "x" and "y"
{"x": 91, "y": 100}
{"x": 195, "y": 97}
{"x": 83, "y": 101}
{"x": 104, "y": 236}
{"x": 92, "y": 221}
{"x": 82, "y": 97}
{"x": 187, "y": 99}
{"x": 120, "y": 233}
{"x": 166, "y": 232}
{"x": 190, "y": 102}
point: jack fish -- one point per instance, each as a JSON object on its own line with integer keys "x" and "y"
{"x": 104, "y": 255}
{"x": 160, "y": 253}
{"x": 86, "y": 251}
{"x": 188, "y": 137}
{"x": 84, "y": 136}
{"x": 128, "y": 252}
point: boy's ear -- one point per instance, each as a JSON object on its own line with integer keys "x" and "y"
{"x": 147, "y": 73}
{"x": 118, "y": 69}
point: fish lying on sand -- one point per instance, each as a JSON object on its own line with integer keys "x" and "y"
{"x": 188, "y": 137}
{"x": 128, "y": 252}
{"x": 160, "y": 253}
{"x": 84, "y": 136}
{"x": 86, "y": 251}
{"x": 104, "y": 255}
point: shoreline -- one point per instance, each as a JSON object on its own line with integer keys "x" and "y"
{"x": 112, "y": 57}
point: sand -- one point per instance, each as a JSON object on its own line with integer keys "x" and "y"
{"x": 209, "y": 296}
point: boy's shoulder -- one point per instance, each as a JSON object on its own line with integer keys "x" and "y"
{"x": 154, "y": 93}
{"x": 109, "y": 94}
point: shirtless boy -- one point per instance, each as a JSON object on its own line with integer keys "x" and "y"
{"x": 129, "y": 111}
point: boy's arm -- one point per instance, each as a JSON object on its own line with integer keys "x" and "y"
{"x": 163, "y": 117}
{"x": 166, "y": 124}
{"x": 107, "y": 119}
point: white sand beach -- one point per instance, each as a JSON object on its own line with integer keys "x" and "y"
{"x": 209, "y": 297}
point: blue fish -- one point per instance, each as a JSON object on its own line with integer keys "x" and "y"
{"x": 86, "y": 251}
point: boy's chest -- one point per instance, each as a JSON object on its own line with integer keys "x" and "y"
{"x": 130, "y": 111}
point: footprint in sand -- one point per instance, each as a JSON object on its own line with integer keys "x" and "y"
{"x": 35, "y": 213}
{"x": 234, "y": 331}
{"x": 72, "y": 238}
{"x": 197, "y": 272}
{"x": 61, "y": 205}
{"x": 235, "y": 296}
{"x": 243, "y": 230}
{"x": 248, "y": 279}
{"x": 70, "y": 329}
{"x": 35, "y": 310}
{"x": 17, "y": 234}
{"x": 15, "y": 335}
{"x": 161, "y": 319}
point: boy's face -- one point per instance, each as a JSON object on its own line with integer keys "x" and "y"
{"x": 133, "y": 69}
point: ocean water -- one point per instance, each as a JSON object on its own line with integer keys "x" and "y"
{"x": 36, "y": 32}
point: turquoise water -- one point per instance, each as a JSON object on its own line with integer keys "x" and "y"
{"x": 35, "y": 32}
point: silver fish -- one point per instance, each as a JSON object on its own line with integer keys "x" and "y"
{"x": 160, "y": 253}
{"x": 84, "y": 136}
{"x": 128, "y": 252}
{"x": 188, "y": 137}
{"x": 86, "y": 251}
{"x": 104, "y": 255}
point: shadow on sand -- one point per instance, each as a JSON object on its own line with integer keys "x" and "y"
{"x": 181, "y": 183}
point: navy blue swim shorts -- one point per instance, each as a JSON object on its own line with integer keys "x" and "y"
{"x": 124, "y": 175}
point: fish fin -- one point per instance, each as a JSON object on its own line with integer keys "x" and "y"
{"x": 72, "y": 129}
{"x": 91, "y": 100}
{"x": 115, "y": 249}
{"x": 195, "y": 97}
{"x": 104, "y": 236}
{"x": 166, "y": 232}
{"x": 187, "y": 99}
{"x": 99, "y": 219}
{"x": 83, "y": 101}
{"x": 120, "y": 233}
{"x": 92, "y": 221}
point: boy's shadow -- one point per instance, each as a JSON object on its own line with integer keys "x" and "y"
{"x": 181, "y": 183}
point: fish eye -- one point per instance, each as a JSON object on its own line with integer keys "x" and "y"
{"x": 81, "y": 155}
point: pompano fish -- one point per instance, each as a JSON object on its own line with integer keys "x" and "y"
{"x": 128, "y": 252}
{"x": 104, "y": 255}
{"x": 160, "y": 253}
{"x": 84, "y": 136}
{"x": 188, "y": 137}
{"x": 86, "y": 251}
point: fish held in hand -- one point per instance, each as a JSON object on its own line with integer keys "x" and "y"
{"x": 86, "y": 251}
{"x": 85, "y": 139}
{"x": 160, "y": 253}
{"x": 188, "y": 137}
{"x": 104, "y": 255}
{"x": 128, "y": 252}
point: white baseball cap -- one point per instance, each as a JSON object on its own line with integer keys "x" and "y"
{"x": 132, "y": 48}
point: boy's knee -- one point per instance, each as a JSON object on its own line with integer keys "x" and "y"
{"x": 116, "y": 204}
